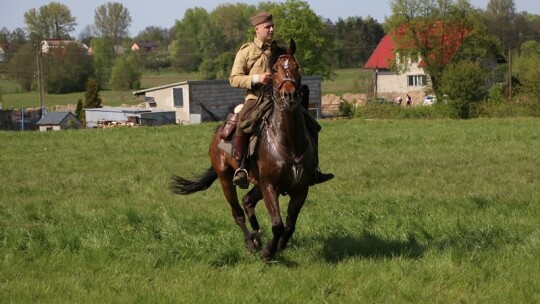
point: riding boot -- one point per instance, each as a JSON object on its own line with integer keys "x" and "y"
{"x": 240, "y": 175}
{"x": 313, "y": 129}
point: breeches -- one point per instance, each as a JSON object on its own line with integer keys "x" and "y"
{"x": 248, "y": 106}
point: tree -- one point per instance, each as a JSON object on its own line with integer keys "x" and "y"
{"x": 501, "y": 22}
{"x": 112, "y": 21}
{"x": 227, "y": 29}
{"x": 431, "y": 29}
{"x": 159, "y": 35}
{"x": 79, "y": 111}
{"x": 464, "y": 84}
{"x": 91, "y": 96}
{"x": 186, "y": 47}
{"x": 103, "y": 60}
{"x": 53, "y": 20}
{"x": 526, "y": 70}
{"x": 125, "y": 75}
{"x": 22, "y": 69}
{"x": 295, "y": 19}
{"x": 357, "y": 39}
{"x": 66, "y": 70}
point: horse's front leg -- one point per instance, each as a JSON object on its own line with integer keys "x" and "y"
{"x": 295, "y": 205}
{"x": 229, "y": 190}
{"x": 271, "y": 201}
{"x": 250, "y": 201}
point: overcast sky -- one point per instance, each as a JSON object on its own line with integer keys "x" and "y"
{"x": 164, "y": 13}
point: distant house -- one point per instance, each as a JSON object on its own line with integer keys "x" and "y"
{"x": 118, "y": 50}
{"x": 147, "y": 46}
{"x": 2, "y": 53}
{"x": 48, "y": 45}
{"x": 55, "y": 121}
{"x": 210, "y": 100}
{"x": 414, "y": 80}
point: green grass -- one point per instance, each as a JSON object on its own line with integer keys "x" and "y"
{"x": 344, "y": 81}
{"x": 437, "y": 211}
{"x": 353, "y": 81}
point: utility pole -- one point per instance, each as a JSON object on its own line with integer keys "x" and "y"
{"x": 39, "y": 61}
{"x": 510, "y": 73}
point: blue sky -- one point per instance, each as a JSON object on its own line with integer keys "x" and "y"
{"x": 164, "y": 13}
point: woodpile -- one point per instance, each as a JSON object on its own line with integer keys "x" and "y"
{"x": 103, "y": 124}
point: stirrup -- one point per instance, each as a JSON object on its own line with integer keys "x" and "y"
{"x": 239, "y": 181}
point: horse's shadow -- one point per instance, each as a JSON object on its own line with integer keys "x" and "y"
{"x": 340, "y": 247}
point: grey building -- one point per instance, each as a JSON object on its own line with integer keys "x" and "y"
{"x": 55, "y": 121}
{"x": 210, "y": 100}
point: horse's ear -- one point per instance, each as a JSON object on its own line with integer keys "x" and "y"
{"x": 292, "y": 47}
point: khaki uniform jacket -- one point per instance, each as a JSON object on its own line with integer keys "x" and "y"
{"x": 251, "y": 59}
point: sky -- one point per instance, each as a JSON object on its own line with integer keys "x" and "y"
{"x": 164, "y": 13}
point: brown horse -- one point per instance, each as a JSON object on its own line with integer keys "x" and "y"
{"x": 283, "y": 164}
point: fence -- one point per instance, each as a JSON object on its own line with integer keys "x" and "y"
{"x": 20, "y": 119}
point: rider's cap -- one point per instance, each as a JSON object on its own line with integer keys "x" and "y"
{"x": 261, "y": 17}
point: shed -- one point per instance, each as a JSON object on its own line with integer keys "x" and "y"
{"x": 55, "y": 121}
{"x": 210, "y": 100}
{"x": 148, "y": 117}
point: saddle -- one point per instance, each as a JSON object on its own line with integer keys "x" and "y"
{"x": 227, "y": 133}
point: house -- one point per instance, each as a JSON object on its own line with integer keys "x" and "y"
{"x": 100, "y": 117}
{"x": 210, "y": 100}
{"x": 2, "y": 53}
{"x": 48, "y": 45}
{"x": 389, "y": 83}
{"x": 414, "y": 79}
{"x": 118, "y": 50}
{"x": 147, "y": 46}
{"x": 55, "y": 121}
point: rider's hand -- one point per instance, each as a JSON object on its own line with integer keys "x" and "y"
{"x": 265, "y": 78}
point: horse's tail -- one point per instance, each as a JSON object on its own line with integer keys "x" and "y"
{"x": 184, "y": 186}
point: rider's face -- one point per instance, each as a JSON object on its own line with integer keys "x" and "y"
{"x": 265, "y": 31}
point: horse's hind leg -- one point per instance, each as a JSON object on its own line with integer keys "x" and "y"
{"x": 229, "y": 190}
{"x": 250, "y": 201}
{"x": 295, "y": 205}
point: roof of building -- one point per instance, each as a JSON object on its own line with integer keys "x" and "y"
{"x": 119, "y": 110}
{"x": 145, "y": 44}
{"x": 382, "y": 56}
{"x": 54, "y": 118}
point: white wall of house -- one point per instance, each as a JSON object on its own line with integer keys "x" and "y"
{"x": 413, "y": 79}
{"x": 49, "y": 128}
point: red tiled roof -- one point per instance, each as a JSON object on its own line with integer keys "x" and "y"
{"x": 382, "y": 56}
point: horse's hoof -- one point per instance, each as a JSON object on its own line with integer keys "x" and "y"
{"x": 256, "y": 238}
{"x": 267, "y": 256}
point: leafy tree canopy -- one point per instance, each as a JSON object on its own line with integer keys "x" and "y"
{"x": 53, "y": 20}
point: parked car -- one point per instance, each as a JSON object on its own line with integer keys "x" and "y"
{"x": 429, "y": 100}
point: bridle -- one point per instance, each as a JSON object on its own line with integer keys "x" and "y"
{"x": 285, "y": 101}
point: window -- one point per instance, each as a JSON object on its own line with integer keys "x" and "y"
{"x": 416, "y": 80}
{"x": 178, "y": 97}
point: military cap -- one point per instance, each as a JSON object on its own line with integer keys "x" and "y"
{"x": 261, "y": 17}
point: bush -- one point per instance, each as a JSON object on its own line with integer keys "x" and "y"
{"x": 463, "y": 82}
{"x": 346, "y": 109}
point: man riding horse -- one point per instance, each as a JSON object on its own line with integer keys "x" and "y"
{"x": 251, "y": 71}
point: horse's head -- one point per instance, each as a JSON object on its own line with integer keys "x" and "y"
{"x": 286, "y": 76}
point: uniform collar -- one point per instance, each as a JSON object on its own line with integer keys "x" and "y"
{"x": 261, "y": 45}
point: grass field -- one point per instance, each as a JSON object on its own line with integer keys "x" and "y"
{"x": 344, "y": 81}
{"x": 428, "y": 211}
